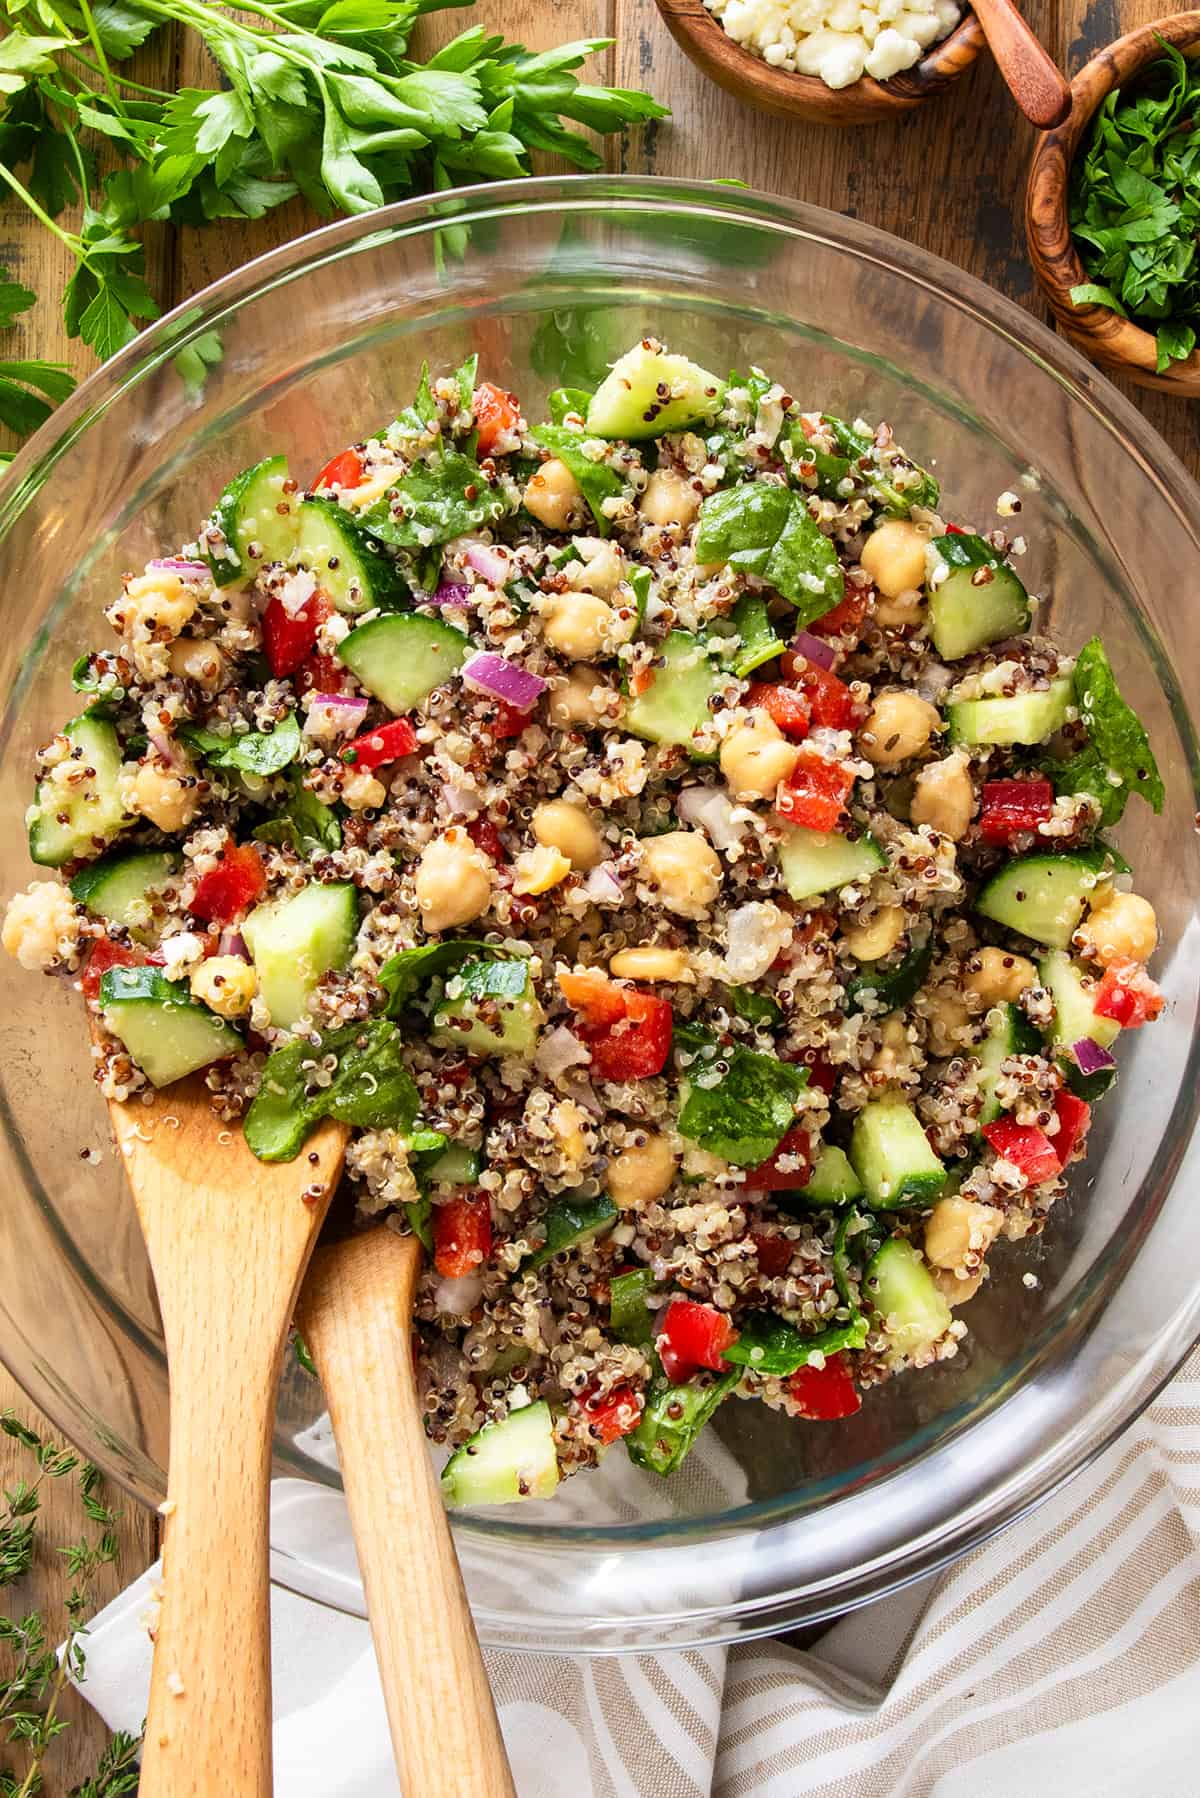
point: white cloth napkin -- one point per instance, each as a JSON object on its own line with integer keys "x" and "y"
{"x": 1064, "y": 1654}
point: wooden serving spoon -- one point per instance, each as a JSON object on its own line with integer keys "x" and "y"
{"x": 1036, "y": 84}
{"x": 229, "y": 1238}
{"x": 355, "y": 1315}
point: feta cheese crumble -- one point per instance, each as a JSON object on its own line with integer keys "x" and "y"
{"x": 837, "y": 40}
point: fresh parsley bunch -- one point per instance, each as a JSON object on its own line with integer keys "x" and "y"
{"x": 1135, "y": 206}
{"x": 321, "y": 99}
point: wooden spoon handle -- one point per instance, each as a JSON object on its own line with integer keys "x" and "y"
{"x": 355, "y": 1314}
{"x": 1036, "y": 84}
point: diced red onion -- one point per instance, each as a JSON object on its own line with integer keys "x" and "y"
{"x": 814, "y": 649}
{"x": 167, "y": 747}
{"x": 1092, "y": 1059}
{"x": 602, "y": 885}
{"x": 353, "y": 701}
{"x": 559, "y": 1050}
{"x": 461, "y": 802}
{"x": 501, "y": 679}
{"x": 232, "y": 942}
{"x": 492, "y": 563}
{"x": 451, "y": 593}
{"x": 187, "y": 571}
{"x": 458, "y": 1296}
{"x": 341, "y": 713}
{"x": 756, "y": 933}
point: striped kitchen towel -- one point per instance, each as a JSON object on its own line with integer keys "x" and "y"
{"x": 1064, "y": 1653}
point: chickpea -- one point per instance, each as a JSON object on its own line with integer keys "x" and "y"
{"x": 685, "y": 868}
{"x": 948, "y": 1019}
{"x": 194, "y": 658}
{"x": 362, "y": 791}
{"x": 898, "y": 727}
{"x": 898, "y": 614}
{"x": 537, "y": 870}
{"x": 997, "y": 977}
{"x": 567, "y": 1120}
{"x": 878, "y": 936}
{"x": 224, "y": 983}
{"x": 959, "y": 1232}
{"x": 554, "y": 497}
{"x": 651, "y": 964}
{"x": 943, "y": 796}
{"x": 954, "y": 1289}
{"x": 560, "y": 825}
{"x": 1119, "y": 927}
{"x": 756, "y": 756}
{"x": 601, "y": 570}
{"x": 579, "y": 625}
{"x": 158, "y": 791}
{"x": 453, "y": 882}
{"x": 637, "y": 1176}
{"x": 894, "y": 1054}
{"x": 583, "y": 699}
{"x": 894, "y": 557}
{"x": 668, "y": 498}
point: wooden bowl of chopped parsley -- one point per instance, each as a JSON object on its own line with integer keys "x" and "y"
{"x": 1112, "y": 209}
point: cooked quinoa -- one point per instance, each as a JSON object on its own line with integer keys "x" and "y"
{"x": 664, "y": 838}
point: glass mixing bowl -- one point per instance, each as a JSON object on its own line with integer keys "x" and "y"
{"x": 771, "y": 1523}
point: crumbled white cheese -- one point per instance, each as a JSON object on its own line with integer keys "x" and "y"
{"x": 837, "y": 40}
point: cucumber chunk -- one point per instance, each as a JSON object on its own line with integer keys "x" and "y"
{"x": 649, "y": 391}
{"x": 1044, "y": 896}
{"x": 68, "y": 820}
{"x": 402, "y": 657}
{"x": 833, "y": 1182}
{"x": 116, "y": 887}
{"x": 1023, "y": 718}
{"x": 978, "y": 601}
{"x": 887, "y": 989}
{"x": 569, "y": 1222}
{"x": 490, "y": 1008}
{"x": 294, "y": 941}
{"x": 346, "y": 561}
{"x": 675, "y": 704}
{"x": 455, "y": 1165}
{"x": 258, "y": 521}
{"x": 908, "y": 1304}
{"x": 892, "y": 1157}
{"x": 1009, "y": 1032}
{"x": 817, "y": 861}
{"x": 165, "y": 1031}
{"x": 674, "y": 1417}
{"x": 510, "y": 1459}
{"x": 1075, "y": 1021}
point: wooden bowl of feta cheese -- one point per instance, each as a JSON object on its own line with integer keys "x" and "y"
{"x": 832, "y": 62}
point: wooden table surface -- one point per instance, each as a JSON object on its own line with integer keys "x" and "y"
{"x": 950, "y": 177}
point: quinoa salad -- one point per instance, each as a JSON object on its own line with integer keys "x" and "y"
{"x": 661, "y": 835}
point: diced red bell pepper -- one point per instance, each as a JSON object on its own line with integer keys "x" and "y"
{"x": 815, "y": 792}
{"x": 345, "y": 470}
{"x": 322, "y": 674}
{"x": 957, "y": 530}
{"x": 785, "y": 706}
{"x": 826, "y": 1393}
{"x": 496, "y": 413}
{"x": 1074, "y": 1121}
{"x": 821, "y": 1073}
{"x": 290, "y": 639}
{"x": 1127, "y": 995}
{"x": 773, "y": 1253}
{"x": 600, "y": 1001}
{"x": 227, "y": 891}
{"x": 634, "y": 1046}
{"x": 462, "y": 1235}
{"x": 508, "y": 722}
{"x": 612, "y": 1414}
{"x": 845, "y": 619}
{"x": 486, "y": 837}
{"x": 830, "y": 701}
{"x": 692, "y": 1336}
{"x": 1029, "y": 1149}
{"x": 389, "y": 743}
{"x": 1009, "y": 806}
{"x": 795, "y": 1152}
{"x": 106, "y": 954}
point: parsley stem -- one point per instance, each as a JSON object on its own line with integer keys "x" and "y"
{"x": 64, "y": 237}
{"x": 97, "y": 44}
{"x": 135, "y": 87}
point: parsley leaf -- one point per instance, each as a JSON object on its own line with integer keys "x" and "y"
{"x": 254, "y": 752}
{"x": 737, "y": 1103}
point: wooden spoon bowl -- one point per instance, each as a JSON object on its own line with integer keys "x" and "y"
{"x": 1116, "y": 343}
{"x": 791, "y": 96}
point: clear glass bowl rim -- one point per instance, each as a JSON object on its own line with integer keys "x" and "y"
{"x": 1113, "y": 1410}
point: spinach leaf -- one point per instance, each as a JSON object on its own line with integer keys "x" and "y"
{"x": 305, "y": 823}
{"x": 756, "y": 1008}
{"x": 259, "y": 752}
{"x": 769, "y": 1344}
{"x": 371, "y": 1088}
{"x": 568, "y": 399}
{"x": 597, "y": 481}
{"x": 746, "y": 639}
{"x": 408, "y": 971}
{"x": 1115, "y": 731}
{"x": 416, "y": 418}
{"x": 768, "y": 531}
{"x": 894, "y": 481}
{"x": 628, "y": 1310}
{"x": 674, "y": 1417}
{"x": 738, "y": 1104}
{"x": 438, "y": 500}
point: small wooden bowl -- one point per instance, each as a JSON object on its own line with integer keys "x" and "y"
{"x": 1115, "y": 343}
{"x": 790, "y": 96}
